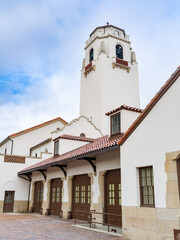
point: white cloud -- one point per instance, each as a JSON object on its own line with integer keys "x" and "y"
{"x": 45, "y": 39}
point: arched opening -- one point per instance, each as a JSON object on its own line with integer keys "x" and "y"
{"x": 91, "y": 55}
{"x": 82, "y": 135}
{"x": 119, "y": 51}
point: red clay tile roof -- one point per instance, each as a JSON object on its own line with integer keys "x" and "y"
{"x": 124, "y": 107}
{"x": 76, "y": 138}
{"x": 150, "y": 106}
{"x": 99, "y": 144}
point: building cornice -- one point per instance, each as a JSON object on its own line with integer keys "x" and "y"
{"x": 103, "y": 37}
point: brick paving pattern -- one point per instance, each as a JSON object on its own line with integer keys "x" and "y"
{"x": 38, "y": 227}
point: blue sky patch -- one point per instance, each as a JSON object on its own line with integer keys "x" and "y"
{"x": 12, "y": 85}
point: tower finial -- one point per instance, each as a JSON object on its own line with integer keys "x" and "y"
{"x": 107, "y": 23}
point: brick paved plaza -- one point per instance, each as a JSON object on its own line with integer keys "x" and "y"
{"x": 38, "y": 227}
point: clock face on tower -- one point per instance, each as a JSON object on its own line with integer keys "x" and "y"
{"x": 119, "y": 51}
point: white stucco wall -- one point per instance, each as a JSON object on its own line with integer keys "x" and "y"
{"x": 49, "y": 146}
{"x": 9, "y": 180}
{"x": 66, "y": 145}
{"x": 23, "y": 143}
{"x": 78, "y": 126}
{"x": 157, "y": 134}
{"x": 127, "y": 118}
{"x": 8, "y": 146}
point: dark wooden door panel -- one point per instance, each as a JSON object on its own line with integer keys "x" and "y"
{"x": 56, "y": 196}
{"x": 8, "y": 201}
{"x": 113, "y": 197}
{"x": 81, "y": 196}
{"x": 38, "y": 197}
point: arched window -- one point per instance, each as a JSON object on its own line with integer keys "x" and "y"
{"x": 91, "y": 55}
{"x": 82, "y": 135}
{"x": 119, "y": 51}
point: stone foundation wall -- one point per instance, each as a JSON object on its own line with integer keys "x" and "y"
{"x": 20, "y": 206}
{"x": 156, "y": 223}
{"x": 97, "y": 207}
{"x": 150, "y": 223}
{"x": 1, "y": 206}
{"x": 66, "y": 209}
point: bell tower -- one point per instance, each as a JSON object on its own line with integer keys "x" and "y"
{"x": 109, "y": 75}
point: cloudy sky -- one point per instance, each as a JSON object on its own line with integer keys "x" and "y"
{"x": 41, "y": 51}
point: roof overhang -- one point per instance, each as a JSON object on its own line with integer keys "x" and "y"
{"x": 151, "y": 105}
{"x": 5, "y": 140}
{"x": 65, "y": 161}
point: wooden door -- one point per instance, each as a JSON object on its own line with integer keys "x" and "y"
{"x": 8, "y": 201}
{"x": 38, "y": 197}
{"x": 81, "y": 196}
{"x": 113, "y": 197}
{"x": 56, "y": 196}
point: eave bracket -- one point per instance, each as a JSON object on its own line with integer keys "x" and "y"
{"x": 90, "y": 161}
{"x": 62, "y": 168}
{"x": 27, "y": 175}
{"x": 43, "y": 173}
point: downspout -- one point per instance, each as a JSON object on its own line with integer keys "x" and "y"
{"x": 12, "y": 146}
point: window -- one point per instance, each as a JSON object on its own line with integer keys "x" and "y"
{"x": 91, "y": 55}
{"x": 146, "y": 186}
{"x": 115, "y": 124}
{"x": 89, "y": 194}
{"x": 119, "y": 51}
{"x": 82, "y": 135}
{"x": 111, "y": 194}
{"x": 83, "y": 194}
{"x": 53, "y": 194}
{"x": 56, "y": 148}
{"x": 119, "y": 195}
{"x": 5, "y": 151}
{"x": 77, "y": 194}
{"x": 58, "y": 194}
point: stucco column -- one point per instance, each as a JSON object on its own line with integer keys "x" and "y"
{"x": 48, "y": 193}
{"x": 31, "y": 204}
{"x": 172, "y": 195}
{"x": 97, "y": 194}
{"x": 99, "y": 206}
{"x": 64, "y": 197}
{"x": 91, "y": 175}
{"x": 101, "y": 181}
{"x": 44, "y": 202}
{"x": 67, "y": 197}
